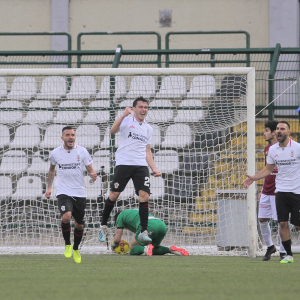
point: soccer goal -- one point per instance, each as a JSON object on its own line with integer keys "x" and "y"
{"x": 203, "y": 142}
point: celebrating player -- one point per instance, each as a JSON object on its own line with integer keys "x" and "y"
{"x": 267, "y": 205}
{"x": 157, "y": 230}
{"x": 286, "y": 156}
{"x": 71, "y": 160}
{"x": 132, "y": 159}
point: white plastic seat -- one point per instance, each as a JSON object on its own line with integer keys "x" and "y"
{"x": 10, "y": 116}
{"x": 160, "y": 115}
{"x": 120, "y": 88}
{"x": 23, "y": 88}
{"x": 128, "y": 191}
{"x": 172, "y": 87}
{"x": 4, "y": 136}
{"x": 82, "y": 87}
{"x": 106, "y": 141}
{"x": 69, "y": 116}
{"x": 93, "y": 188}
{"x": 99, "y": 116}
{"x": 88, "y": 136}
{"x": 28, "y": 187}
{"x": 157, "y": 187}
{"x": 52, "y": 137}
{"x": 53, "y": 87}
{"x": 14, "y": 162}
{"x": 26, "y": 136}
{"x": 40, "y": 163}
{"x": 166, "y": 161}
{"x": 39, "y": 116}
{"x": 190, "y": 115}
{"x": 142, "y": 86}
{"x": 5, "y": 187}
{"x": 101, "y": 161}
{"x": 202, "y": 86}
{"x": 3, "y": 87}
{"x": 177, "y": 135}
{"x": 156, "y": 135}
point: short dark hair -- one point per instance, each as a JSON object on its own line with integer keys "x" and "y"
{"x": 139, "y": 99}
{"x": 285, "y": 122}
{"x": 67, "y": 128}
{"x": 272, "y": 125}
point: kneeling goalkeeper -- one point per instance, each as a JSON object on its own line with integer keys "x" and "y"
{"x": 157, "y": 230}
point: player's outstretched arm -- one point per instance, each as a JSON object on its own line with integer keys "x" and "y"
{"x": 116, "y": 126}
{"x": 50, "y": 178}
{"x": 267, "y": 170}
{"x": 117, "y": 239}
{"x": 91, "y": 171}
{"x": 150, "y": 161}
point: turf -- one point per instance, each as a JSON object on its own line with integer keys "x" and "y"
{"x": 157, "y": 277}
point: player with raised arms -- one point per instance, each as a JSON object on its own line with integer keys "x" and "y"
{"x": 71, "y": 160}
{"x": 132, "y": 159}
{"x": 157, "y": 230}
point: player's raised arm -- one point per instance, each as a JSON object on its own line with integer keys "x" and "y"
{"x": 50, "y": 178}
{"x": 150, "y": 161}
{"x": 91, "y": 171}
{"x": 267, "y": 170}
{"x": 116, "y": 126}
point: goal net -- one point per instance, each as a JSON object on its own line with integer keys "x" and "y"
{"x": 203, "y": 142}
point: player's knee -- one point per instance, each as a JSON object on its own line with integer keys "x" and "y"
{"x": 113, "y": 196}
{"x": 284, "y": 225}
{"x": 66, "y": 217}
{"x": 143, "y": 196}
{"x": 79, "y": 226}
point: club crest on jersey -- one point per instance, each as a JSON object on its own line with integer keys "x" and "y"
{"x": 78, "y": 157}
{"x": 132, "y": 127}
{"x": 116, "y": 185}
{"x": 141, "y": 124}
{"x": 62, "y": 208}
{"x": 292, "y": 153}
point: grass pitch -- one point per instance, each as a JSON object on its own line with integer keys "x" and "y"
{"x": 140, "y": 277}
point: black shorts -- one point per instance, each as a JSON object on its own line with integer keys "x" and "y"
{"x": 288, "y": 203}
{"x": 138, "y": 174}
{"x": 76, "y": 205}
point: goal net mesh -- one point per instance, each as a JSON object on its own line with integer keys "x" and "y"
{"x": 199, "y": 144}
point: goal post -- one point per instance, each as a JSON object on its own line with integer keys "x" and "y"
{"x": 203, "y": 142}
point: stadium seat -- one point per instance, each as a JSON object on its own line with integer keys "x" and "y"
{"x": 120, "y": 88}
{"x": 177, "y": 135}
{"x": 156, "y": 135}
{"x": 88, "y": 136}
{"x": 98, "y": 116}
{"x": 39, "y": 116}
{"x": 101, "y": 161}
{"x": 106, "y": 140}
{"x": 194, "y": 163}
{"x": 166, "y": 161}
{"x": 128, "y": 191}
{"x": 4, "y": 136}
{"x": 82, "y": 87}
{"x": 172, "y": 87}
{"x": 28, "y": 188}
{"x": 40, "y": 163}
{"x": 157, "y": 187}
{"x": 23, "y": 88}
{"x": 5, "y": 187}
{"x": 3, "y": 87}
{"x": 53, "y": 191}
{"x": 159, "y": 115}
{"x": 52, "y": 137}
{"x": 206, "y": 138}
{"x": 14, "y": 162}
{"x": 10, "y": 116}
{"x": 189, "y": 115}
{"x": 69, "y": 117}
{"x": 233, "y": 86}
{"x": 182, "y": 188}
{"x": 93, "y": 188}
{"x": 26, "y": 136}
{"x": 53, "y": 87}
{"x": 202, "y": 86}
{"x": 141, "y": 86}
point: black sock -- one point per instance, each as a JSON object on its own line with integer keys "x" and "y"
{"x": 144, "y": 212}
{"x": 288, "y": 247}
{"x": 66, "y": 232}
{"x": 77, "y": 238}
{"x": 108, "y": 207}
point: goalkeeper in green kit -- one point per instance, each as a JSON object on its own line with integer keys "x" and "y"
{"x": 157, "y": 230}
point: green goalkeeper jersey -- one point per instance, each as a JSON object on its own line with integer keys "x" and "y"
{"x": 130, "y": 219}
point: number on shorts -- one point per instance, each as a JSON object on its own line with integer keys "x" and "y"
{"x": 147, "y": 181}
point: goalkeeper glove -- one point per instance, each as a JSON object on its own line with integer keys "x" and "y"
{"x": 113, "y": 245}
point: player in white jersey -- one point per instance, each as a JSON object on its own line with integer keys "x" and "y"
{"x": 132, "y": 159}
{"x": 286, "y": 156}
{"x": 71, "y": 160}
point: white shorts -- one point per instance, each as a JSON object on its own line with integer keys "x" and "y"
{"x": 267, "y": 207}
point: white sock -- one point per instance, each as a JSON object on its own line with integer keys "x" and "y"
{"x": 266, "y": 233}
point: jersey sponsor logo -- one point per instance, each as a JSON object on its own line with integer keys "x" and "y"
{"x": 71, "y": 166}
{"x": 62, "y": 208}
{"x": 136, "y": 136}
{"x": 285, "y": 162}
{"x": 116, "y": 185}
